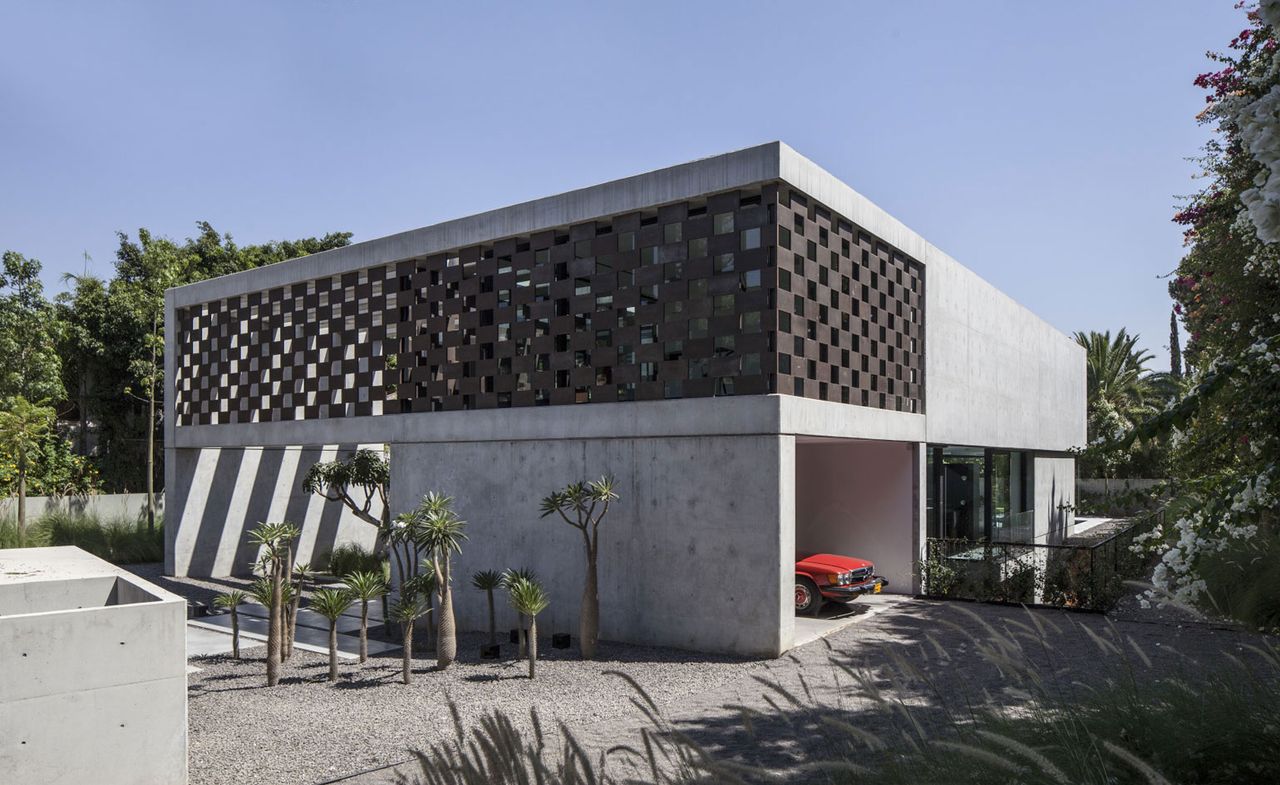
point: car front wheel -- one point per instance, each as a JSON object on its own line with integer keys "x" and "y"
{"x": 808, "y": 600}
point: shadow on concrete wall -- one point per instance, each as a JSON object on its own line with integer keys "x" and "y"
{"x": 221, "y": 494}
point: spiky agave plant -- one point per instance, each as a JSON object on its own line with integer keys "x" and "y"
{"x": 486, "y": 581}
{"x": 529, "y": 598}
{"x": 408, "y": 609}
{"x": 332, "y": 603}
{"x": 365, "y": 587}
{"x": 231, "y": 601}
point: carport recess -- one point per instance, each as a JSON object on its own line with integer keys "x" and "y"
{"x": 859, "y": 498}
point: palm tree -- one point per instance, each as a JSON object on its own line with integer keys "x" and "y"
{"x": 438, "y": 531}
{"x": 23, "y": 427}
{"x": 588, "y": 503}
{"x": 529, "y": 599}
{"x": 301, "y": 574}
{"x": 423, "y": 587}
{"x": 486, "y": 581}
{"x": 231, "y": 601}
{"x": 273, "y": 539}
{"x": 365, "y": 587}
{"x": 1121, "y": 393}
{"x": 508, "y": 579}
{"x": 408, "y": 609}
{"x": 331, "y": 603}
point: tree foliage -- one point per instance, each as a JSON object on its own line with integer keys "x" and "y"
{"x": 1226, "y": 428}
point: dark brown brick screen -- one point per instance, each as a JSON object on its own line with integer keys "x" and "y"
{"x": 687, "y": 300}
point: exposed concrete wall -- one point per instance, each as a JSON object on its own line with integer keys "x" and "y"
{"x": 691, "y": 555}
{"x": 96, "y": 694}
{"x": 107, "y": 507}
{"x": 1055, "y": 479}
{"x": 857, "y": 498}
{"x": 996, "y": 374}
{"x": 217, "y": 495}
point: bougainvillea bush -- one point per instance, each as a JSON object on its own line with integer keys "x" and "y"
{"x": 1226, "y": 430}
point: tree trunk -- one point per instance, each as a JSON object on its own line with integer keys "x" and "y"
{"x": 533, "y": 643}
{"x": 493, "y": 628}
{"x": 294, "y": 604}
{"x": 151, "y": 432}
{"x": 364, "y": 631}
{"x": 22, "y": 501}
{"x": 408, "y": 651}
{"x": 84, "y": 415}
{"x": 589, "y": 622}
{"x": 446, "y": 635}
{"x": 333, "y": 650}
{"x": 524, "y": 638}
{"x": 235, "y": 633}
{"x": 274, "y": 628}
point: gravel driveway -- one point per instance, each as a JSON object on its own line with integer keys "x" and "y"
{"x": 306, "y": 730}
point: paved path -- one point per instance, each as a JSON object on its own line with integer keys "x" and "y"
{"x": 940, "y": 641}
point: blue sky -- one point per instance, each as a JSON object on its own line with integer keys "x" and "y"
{"x": 1041, "y": 144}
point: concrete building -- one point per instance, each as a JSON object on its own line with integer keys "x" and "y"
{"x": 768, "y": 363}
{"x": 94, "y": 683}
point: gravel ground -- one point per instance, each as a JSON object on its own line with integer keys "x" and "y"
{"x": 307, "y": 731}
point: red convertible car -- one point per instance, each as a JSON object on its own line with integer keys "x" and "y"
{"x": 826, "y": 576}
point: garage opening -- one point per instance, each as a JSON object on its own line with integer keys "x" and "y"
{"x": 856, "y": 499}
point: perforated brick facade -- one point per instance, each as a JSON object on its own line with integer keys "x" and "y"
{"x": 746, "y": 292}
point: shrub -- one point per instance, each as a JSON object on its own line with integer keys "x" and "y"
{"x": 119, "y": 541}
{"x": 1242, "y": 581}
{"x": 353, "y": 557}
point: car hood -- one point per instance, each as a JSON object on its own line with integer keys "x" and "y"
{"x": 830, "y": 562}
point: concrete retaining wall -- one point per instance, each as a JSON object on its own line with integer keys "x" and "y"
{"x": 1098, "y": 486}
{"x": 89, "y": 691}
{"x": 105, "y": 506}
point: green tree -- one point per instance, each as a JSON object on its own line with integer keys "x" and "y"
{"x": 85, "y": 346}
{"x": 356, "y": 483}
{"x": 144, "y": 271}
{"x": 274, "y": 541}
{"x": 23, "y": 427}
{"x": 28, "y": 335}
{"x": 529, "y": 599}
{"x": 1121, "y": 393}
{"x": 583, "y": 506}
{"x": 331, "y": 603}
{"x": 365, "y": 587}
{"x": 486, "y": 581}
{"x": 231, "y": 601}
{"x": 407, "y": 610}
{"x": 439, "y": 532}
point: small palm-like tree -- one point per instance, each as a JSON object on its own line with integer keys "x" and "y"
{"x": 422, "y": 586}
{"x": 331, "y": 603}
{"x": 231, "y": 601}
{"x": 583, "y": 505}
{"x": 365, "y": 587}
{"x": 486, "y": 581}
{"x": 408, "y": 609}
{"x": 529, "y": 599}
{"x": 439, "y": 531}
{"x": 275, "y": 544}
{"x": 302, "y": 573}
{"x": 509, "y": 577}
